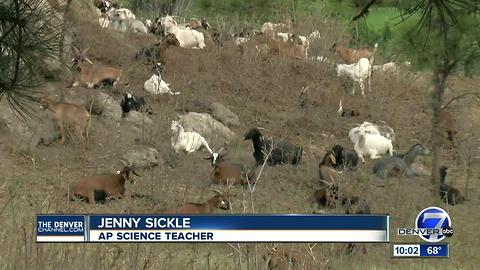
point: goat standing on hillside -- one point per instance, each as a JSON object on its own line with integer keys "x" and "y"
{"x": 69, "y": 114}
{"x": 359, "y": 73}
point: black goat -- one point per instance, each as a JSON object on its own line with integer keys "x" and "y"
{"x": 134, "y": 103}
{"x": 448, "y": 194}
{"x": 281, "y": 151}
{"x": 344, "y": 158}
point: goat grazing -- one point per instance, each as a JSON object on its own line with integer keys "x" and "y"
{"x": 371, "y": 128}
{"x": 352, "y": 56}
{"x": 372, "y": 145}
{"x": 188, "y": 38}
{"x": 344, "y": 158}
{"x": 399, "y": 165}
{"x": 219, "y": 201}
{"x": 187, "y": 141}
{"x": 134, "y": 103}
{"x": 281, "y": 151}
{"x": 92, "y": 75}
{"x": 448, "y": 194}
{"x": 229, "y": 173}
{"x": 359, "y": 72}
{"x": 111, "y": 185}
{"x": 156, "y": 85}
{"x": 68, "y": 114}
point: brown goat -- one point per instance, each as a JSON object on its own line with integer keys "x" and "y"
{"x": 351, "y": 56}
{"x": 447, "y": 126}
{"x": 68, "y": 114}
{"x": 219, "y": 201}
{"x": 110, "y": 185}
{"x": 292, "y": 48}
{"x": 229, "y": 173}
{"x": 89, "y": 75}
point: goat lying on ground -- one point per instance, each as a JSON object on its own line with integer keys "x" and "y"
{"x": 187, "y": 141}
{"x": 89, "y": 75}
{"x": 93, "y": 188}
{"x": 352, "y": 56}
{"x": 68, "y": 114}
{"x": 399, "y": 165}
{"x": 134, "y": 103}
{"x": 219, "y": 201}
{"x": 188, "y": 38}
{"x": 372, "y": 145}
{"x": 157, "y": 52}
{"x": 281, "y": 151}
{"x": 344, "y": 158}
{"x": 371, "y": 128}
{"x": 229, "y": 173}
{"x": 156, "y": 85}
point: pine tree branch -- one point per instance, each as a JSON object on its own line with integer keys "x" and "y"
{"x": 364, "y": 11}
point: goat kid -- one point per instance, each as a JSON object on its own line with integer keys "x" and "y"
{"x": 111, "y": 185}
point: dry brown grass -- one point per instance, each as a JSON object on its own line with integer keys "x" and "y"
{"x": 263, "y": 91}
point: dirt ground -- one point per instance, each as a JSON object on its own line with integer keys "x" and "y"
{"x": 263, "y": 90}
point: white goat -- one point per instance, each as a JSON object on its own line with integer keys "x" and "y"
{"x": 157, "y": 86}
{"x": 371, "y": 128}
{"x": 187, "y": 141}
{"x": 359, "y": 72}
{"x": 372, "y": 145}
{"x": 188, "y": 38}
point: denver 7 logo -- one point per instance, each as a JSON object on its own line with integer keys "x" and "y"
{"x": 433, "y": 218}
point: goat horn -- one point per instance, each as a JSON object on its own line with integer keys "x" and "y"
{"x": 85, "y": 51}
{"x": 416, "y": 141}
{"x": 88, "y": 60}
{"x": 262, "y": 128}
{"x": 124, "y": 162}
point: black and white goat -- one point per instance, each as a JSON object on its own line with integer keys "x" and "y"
{"x": 134, "y": 103}
{"x": 275, "y": 151}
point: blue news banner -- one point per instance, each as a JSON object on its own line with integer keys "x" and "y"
{"x": 213, "y": 228}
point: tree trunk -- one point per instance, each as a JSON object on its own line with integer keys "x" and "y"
{"x": 439, "y": 83}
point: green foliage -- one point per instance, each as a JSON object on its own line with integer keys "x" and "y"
{"x": 30, "y": 35}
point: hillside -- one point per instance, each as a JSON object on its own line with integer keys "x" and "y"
{"x": 263, "y": 90}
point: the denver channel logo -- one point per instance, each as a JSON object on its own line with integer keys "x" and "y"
{"x": 432, "y": 224}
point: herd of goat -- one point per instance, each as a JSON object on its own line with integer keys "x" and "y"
{"x": 369, "y": 140}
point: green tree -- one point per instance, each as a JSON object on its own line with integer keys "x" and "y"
{"x": 442, "y": 35}
{"x": 30, "y": 36}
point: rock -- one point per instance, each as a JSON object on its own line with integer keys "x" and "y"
{"x": 142, "y": 157}
{"x": 138, "y": 120}
{"x": 208, "y": 127}
{"x": 106, "y": 106}
{"x": 224, "y": 115}
{"x": 39, "y": 128}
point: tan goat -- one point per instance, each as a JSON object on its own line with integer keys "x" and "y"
{"x": 220, "y": 201}
{"x": 69, "y": 114}
{"x": 352, "y": 56}
{"x": 292, "y": 48}
{"x": 90, "y": 75}
{"x": 99, "y": 187}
